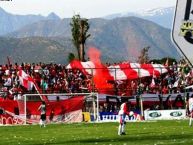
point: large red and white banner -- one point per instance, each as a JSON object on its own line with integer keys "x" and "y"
{"x": 121, "y": 71}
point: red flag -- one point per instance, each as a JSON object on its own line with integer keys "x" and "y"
{"x": 25, "y": 80}
{"x": 28, "y": 82}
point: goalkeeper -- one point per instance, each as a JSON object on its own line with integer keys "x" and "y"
{"x": 122, "y": 114}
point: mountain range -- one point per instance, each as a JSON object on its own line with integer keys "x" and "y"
{"x": 11, "y": 22}
{"x": 161, "y": 16}
{"x": 118, "y": 39}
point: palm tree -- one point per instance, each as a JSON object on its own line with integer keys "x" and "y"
{"x": 80, "y": 34}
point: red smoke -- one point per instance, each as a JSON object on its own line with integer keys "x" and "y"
{"x": 101, "y": 76}
{"x": 134, "y": 53}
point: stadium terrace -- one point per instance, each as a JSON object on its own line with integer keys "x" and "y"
{"x": 160, "y": 91}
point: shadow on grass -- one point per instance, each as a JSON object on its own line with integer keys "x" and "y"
{"x": 124, "y": 139}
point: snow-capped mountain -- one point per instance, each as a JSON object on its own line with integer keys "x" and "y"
{"x": 161, "y": 16}
{"x": 158, "y": 11}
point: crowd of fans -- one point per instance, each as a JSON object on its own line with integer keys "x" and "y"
{"x": 55, "y": 78}
{"x": 50, "y": 78}
{"x": 178, "y": 77}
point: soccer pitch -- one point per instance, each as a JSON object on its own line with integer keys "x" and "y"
{"x": 138, "y": 133}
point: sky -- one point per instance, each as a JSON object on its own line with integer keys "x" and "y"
{"x": 86, "y": 8}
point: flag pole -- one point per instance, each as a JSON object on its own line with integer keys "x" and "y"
{"x": 37, "y": 89}
{"x": 39, "y": 92}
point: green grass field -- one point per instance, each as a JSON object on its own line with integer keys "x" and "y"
{"x": 138, "y": 133}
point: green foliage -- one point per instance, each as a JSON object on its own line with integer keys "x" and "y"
{"x": 71, "y": 57}
{"x": 156, "y": 61}
{"x": 75, "y": 32}
{"x": 169, "y": 59}
{"x": 164, "y": 60}
{"x": 138, "y": 133}
{"x": 79, "y": 30}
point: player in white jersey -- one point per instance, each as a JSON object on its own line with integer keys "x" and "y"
{"x": 122, "y": 114}
{"x": 190, "y": 106}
